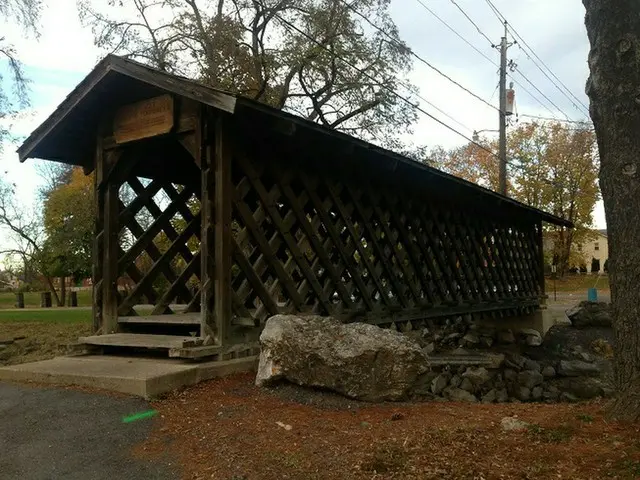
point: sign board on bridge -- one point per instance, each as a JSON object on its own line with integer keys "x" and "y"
{"x": 144, "y": 119}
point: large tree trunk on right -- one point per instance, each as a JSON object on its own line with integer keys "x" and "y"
{"x": 613, "y": 27}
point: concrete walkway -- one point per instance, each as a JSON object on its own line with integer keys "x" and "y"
{"x": 48, "y": 433}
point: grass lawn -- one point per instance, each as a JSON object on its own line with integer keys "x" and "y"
{"x": 53, "y": 315}
{"x": 40, "y": 334}
{"x": 578, "y": 283}
{"x": 32, "y": 299}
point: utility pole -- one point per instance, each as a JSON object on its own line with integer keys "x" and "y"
{"x": 502, "y": 151}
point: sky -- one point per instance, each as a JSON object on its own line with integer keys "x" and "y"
{"x": 65, "y": 53}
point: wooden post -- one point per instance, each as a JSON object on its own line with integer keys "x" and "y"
{"x": 110, "y": 185}
{"x": 207, "y": 274}
{"x": 45, "y": 299}
{"x": 72, "y": 299}
{"x": 98, "y": 239}
{"x": 19, "y": 300}
{"x": 223, "y": 194}
{"x": 540, "y": 242}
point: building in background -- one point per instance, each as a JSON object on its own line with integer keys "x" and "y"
{"x": 592, "y": 254}
{"x": 596, "y": 252}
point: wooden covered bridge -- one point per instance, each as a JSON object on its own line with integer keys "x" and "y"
{"x": 218, "y": 212}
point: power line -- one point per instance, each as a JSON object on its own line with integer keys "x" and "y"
{"x": 524, "y": 42}
{"x": 496, "y": 12}
{"x": 541, "y": 93}
{"x": 288, "y": 25}
{"x": 456, "y": 33}
{"x": 553, "y": 119}
{"x": 554, "y": 83}
{"x": 418, "y": 56}
{"x": 472, "y": 22}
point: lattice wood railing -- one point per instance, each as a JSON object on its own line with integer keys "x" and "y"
{"x": 159, "y": 232}
{"x": 308, "y": 242}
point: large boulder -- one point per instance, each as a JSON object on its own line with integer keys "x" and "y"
{"x": 359, "y": 361}
{"x": 590, "y": 314}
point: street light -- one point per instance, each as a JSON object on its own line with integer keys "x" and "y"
{"x": 476, "y": 137}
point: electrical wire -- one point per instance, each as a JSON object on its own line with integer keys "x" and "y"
{"x": 541, "y": 93}
{"x": 522, "y": 42}
{"x": 364, "y": 17}
{"x": 472, "y": 22}
{"x": 538, "y": 117}
{"x": 288, "y": 25}
{"x": 493, "y": 62}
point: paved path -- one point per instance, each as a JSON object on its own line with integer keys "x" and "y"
{"x": 48, "y": 433}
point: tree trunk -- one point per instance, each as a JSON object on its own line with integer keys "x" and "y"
{"x": 614, "y": 90}
{"x": 63, "y": 292}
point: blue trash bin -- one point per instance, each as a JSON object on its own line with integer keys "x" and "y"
{"x": 592, "y": 295}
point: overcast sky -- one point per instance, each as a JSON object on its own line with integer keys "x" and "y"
{"x": 554, "y": 29}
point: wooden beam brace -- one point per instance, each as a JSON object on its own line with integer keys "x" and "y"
{"x": 223, "y": 193}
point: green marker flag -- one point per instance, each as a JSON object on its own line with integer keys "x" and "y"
{"x": 139, "y": 416}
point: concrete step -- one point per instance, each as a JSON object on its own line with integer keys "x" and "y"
{"x": 144, "y": 377}
{"x": 175, "y": 319}
{"x": 140, "y": 340}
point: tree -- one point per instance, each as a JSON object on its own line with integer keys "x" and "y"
{"x": 614, "y": 62}
{"x": 551, "y": 167}
{"x": 555, "y": 168}
{"x": 14, "y": 97}
{"x": 68, "y": 224}
{"x": 252, "y": 48}
{"x": 26, "y": 234}
{"x": 471, "y": 162}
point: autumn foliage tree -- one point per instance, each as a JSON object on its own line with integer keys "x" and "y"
{"x": 68, "y": 224}
{"x": 550, "y": 166}
{"x": 254, "y": 48}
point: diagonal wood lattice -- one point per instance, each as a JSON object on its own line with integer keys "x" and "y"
{"x": 307, "y": 242}
{"x": 159, "y": 246}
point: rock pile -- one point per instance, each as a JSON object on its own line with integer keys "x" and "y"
{"x": 460, "y": 360}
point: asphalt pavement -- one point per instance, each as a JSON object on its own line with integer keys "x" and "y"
{"x": 50, "y": 433}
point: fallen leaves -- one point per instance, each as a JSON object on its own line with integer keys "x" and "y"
{"x": 228, "y": 428}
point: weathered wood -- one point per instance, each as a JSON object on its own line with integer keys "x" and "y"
{"x": 285, "y": 232}
{"x": 207, "y": 258}
{"x": 160, "y": 264}
{"x": 110, "y": 186}
{"x": 211, "y": 350}
{"x": 174, "y": 319}
{"x": 143, "y": 119}
{"x": 222, "y": 229}
{"x": 141, "y": 340}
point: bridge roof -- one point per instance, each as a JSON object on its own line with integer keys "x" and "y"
{"x": 68, "y": 135}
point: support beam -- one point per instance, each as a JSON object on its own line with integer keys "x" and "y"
{"x": 98, "y": 240}
{"x": 207, "y": 273}
{"x": 110, "y": 186}
{"x": 223, "y": 240}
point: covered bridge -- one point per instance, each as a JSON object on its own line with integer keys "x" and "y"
{"x": 219, "y": 212}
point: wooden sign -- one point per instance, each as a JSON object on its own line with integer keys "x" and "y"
{"x": 144, "y": 119}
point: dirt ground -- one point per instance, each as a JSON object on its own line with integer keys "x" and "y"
{"x": 37, "y": 340}
{"x": 228, "y": 429}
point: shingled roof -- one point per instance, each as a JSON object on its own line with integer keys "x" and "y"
{"x": 68, "y": 135}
